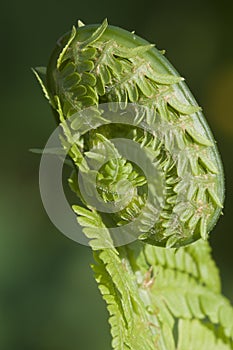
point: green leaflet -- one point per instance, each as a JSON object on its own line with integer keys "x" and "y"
{"x": 181, "y": 287}
{"x": 40, "y": 73}
{"x": 199, "y": 336}
{"x": 157, "y": 298}
{"x": 63, "y": 52}
{"x": 129, "y": 321}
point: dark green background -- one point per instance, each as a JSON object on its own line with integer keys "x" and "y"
{"x": 48, "y": 299}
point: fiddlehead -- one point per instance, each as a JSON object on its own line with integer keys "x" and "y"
{"x": 104, "y": 83}
{"x": 95, "y": 65}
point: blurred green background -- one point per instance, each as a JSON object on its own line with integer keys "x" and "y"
{"x": 48, "y": 298}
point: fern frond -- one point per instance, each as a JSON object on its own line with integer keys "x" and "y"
{"x": 130, "y": 326}
{"x": 157, "y": 298}
{"x": 179, "y": 288}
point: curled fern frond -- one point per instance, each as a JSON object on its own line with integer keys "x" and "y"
{"x": 93, "y": 65}
{"x": 114, "y": 94}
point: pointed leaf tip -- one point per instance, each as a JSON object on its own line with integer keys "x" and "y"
{"x": 105, "y": 21}
{"x": 80, "y": 23}
{"x": 40, "y": 73}
{"x": 97, "y": 34}
{"x": 72, "y": 36}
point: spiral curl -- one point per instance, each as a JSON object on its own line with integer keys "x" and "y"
{"x": 96, "y": 65}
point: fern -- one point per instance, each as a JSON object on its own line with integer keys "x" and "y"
{"x": 161, "y": 291}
